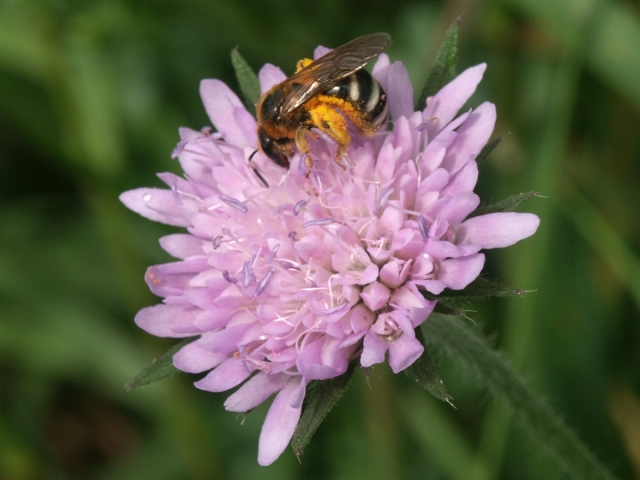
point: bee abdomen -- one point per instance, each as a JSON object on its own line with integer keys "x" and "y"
{"x": 362, "y": 91}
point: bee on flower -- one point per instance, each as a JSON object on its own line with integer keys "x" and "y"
{"x": 287, "y": 277}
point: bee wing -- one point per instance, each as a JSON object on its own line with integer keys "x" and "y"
{"x": 333, "y": 67}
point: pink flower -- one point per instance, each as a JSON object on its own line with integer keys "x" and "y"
{"x": 287, "y": 284}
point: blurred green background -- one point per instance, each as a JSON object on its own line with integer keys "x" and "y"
{"x": 91, "y": 96}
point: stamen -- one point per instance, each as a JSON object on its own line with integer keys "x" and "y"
{"x": 382, "y": 200}
{"x": 179, "y": 148}
{"x": 318, "y": 222}
{"x": 225, "y": 275}
{"x": 174, "y": 189}
{"x": 251, "y": 363}
{"x": 331, "y": 311}
{"x": 217, "y": 242}
{"x": 292, "y": 235}
{"x": 235, "y": 203}
{"x": 298, "y": 206}
{"x": 422, "y": 224}
{"x": 263, "y": 283}
{"x": 205, "y": 134}
{"x": 427, "y": 123}
{"x": 247, "y": 272}
{"x": 303, "y": 167}
{"x": 273, "y": 254}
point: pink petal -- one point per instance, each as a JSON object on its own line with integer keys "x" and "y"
{"x": 279, "y": 425}
{"x": 155, "y": 204}
{"x": 225, "y": 341}
{"x": 255, "y": 391}
{"x": 375, "y": 296}
{"x": 400, "y": 91}
{"x": 458, "y": 208}
{"x": 220, "y": 103}
{"x": 403, "y": 351}
{"x": 312, "y": 366}
{"x": 369, "y": 274}
{"x": 473, "y": 134}
{"x": 159, "y": 319}
{"x": 182, "y": 245}
{"x": 270, "y": 76}
{"x": 227, "y": 375}
{"x": 445, "y": 104}
{"x": 192, "y": 358}
{"x": 464, "y": 180}
{"x": 381, "y": 70}
{"x": 373, "y": 349}
{"x": 497, "y": 230}
{"x": 320, "y": 51}
{"x": 457, "y": 273}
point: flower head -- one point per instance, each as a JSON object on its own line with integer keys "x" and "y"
{"x": 289, "y": 283}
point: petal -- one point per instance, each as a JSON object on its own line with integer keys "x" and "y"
{"x": 312, "y": 365}
{"x": 192, "y": 358}
{"x": 182, "y": 245}
{"x": 159, "y": 319}
{"x": 279, "y": 425}
{"x": 400, "y": 91}
{"x": 445, "y": 104}
{"x": 270, "y": 76}
{"x": 464, "y": 180}
{"x": 255, "y": 391}
{"x": 403, "y": 351}
{"x": 227, "y": 375}
{"x": 473, "y": 134}
{"x": 497, "y": 230}
{"x": 220, "y": 103}
{"x": 457, "y": 273}
{"x": 375, "y": 296}
{"x": 457, "y": 209}
{"x": 156, "y": 204}
{"x": 320, "y": 51}
{"x": 380, "y": 70}
{"x": 373, "y": 349}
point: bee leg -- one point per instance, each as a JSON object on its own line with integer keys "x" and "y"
{"x": 303, "y": 144}
{"x": 331, "y": 122}
{"x": 255, "y": 169}
{"x": 303, "y": 63}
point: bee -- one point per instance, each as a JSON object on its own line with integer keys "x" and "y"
{"x": 323, "y": 94}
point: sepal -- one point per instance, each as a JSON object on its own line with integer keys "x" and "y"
{"x": 160, "y": 368}
{"x": 444, "y": 69}
{"x": 424, "y": 372}
{"x": 321, "y": 397}
{"x": 247, "y": 79}
{"x": 509, "y": 204}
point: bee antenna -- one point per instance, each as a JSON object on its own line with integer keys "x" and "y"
{"x": 255, "y": 170}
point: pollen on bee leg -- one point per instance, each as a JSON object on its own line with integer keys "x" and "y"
{"x": 301, "y": 140}
{"x": 303, "y": 63}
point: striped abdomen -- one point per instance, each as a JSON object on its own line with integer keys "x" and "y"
{"x": 366, "y": 96}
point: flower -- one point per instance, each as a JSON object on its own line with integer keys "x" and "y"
{"x": 289, "y": 283}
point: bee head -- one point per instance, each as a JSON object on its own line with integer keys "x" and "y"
{"x": 278, "y": 149}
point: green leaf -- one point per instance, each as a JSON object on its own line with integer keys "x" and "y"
{"x": 447, "y": 307}
{"x": 321, "y": 397}
{"x": 160, "y": 368}
{"x": 424, "y": 372}
{"x": 481, "y": 287}
{"x": 448, "y": 337}
{"x": 444, "y": 69}
{"x": 509, "y": 204}
{"x": 247, "y": 78}
{"x": 487, "y": 149}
